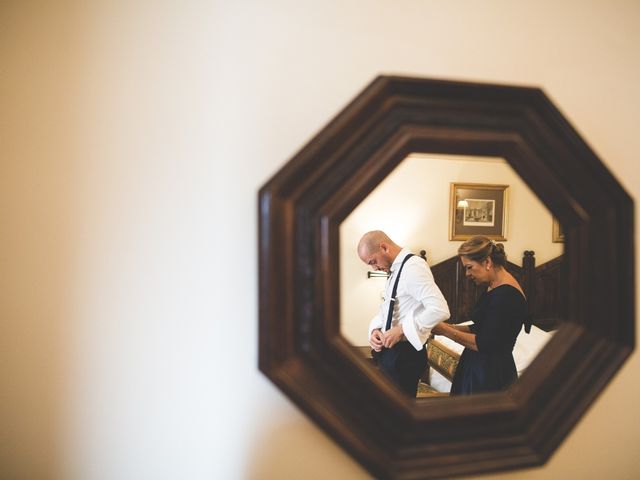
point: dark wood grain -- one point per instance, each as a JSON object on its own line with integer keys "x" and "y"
{"x": 300, "y": 210}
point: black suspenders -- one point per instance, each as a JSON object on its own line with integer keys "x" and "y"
{"x": 392, "y": 301}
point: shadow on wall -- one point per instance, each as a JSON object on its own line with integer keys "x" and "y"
{"x": 36, "y": 312}
{"x": 39, "y": 237}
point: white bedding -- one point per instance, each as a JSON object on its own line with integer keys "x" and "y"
{"x": 526, "y": 348}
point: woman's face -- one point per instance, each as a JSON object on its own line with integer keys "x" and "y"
{"x": 479, "y": 272}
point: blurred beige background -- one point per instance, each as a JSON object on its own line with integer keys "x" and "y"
{"x": 134, "y": 137}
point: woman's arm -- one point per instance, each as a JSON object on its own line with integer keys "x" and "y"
{"x": 458, "y": 333}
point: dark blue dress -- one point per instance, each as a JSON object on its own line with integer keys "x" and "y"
{"x": 497, "y": 317}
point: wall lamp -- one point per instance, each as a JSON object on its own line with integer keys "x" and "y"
{"x": 377, "y": 274}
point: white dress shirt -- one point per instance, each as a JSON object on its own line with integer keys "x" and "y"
{"x": 419, "y": 304}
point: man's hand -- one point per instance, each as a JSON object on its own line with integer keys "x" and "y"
{"x": 392, "y": 336}
{"x": 376, "y": 340}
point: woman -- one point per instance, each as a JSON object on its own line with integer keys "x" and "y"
{"x": 487, "y": 364}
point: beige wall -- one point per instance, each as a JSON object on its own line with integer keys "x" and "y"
{"x": 134, "y": 138}
{"x": 412, "y": 206}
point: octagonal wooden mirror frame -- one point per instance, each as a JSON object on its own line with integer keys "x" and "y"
{"x": 300, "y": 211}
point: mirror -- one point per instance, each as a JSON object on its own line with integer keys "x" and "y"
{"x": 413, "y": 206}
{"x": 301, "y": 348}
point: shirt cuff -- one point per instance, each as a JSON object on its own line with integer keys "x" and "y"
{"x": 413, "y": 337}
{"x": 374, "y": 324}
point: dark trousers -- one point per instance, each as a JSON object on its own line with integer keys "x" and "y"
{"x": 403, "y": 364}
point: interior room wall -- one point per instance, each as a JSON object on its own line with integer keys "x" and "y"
{"x": 412, "y": 205}
{"x": 135, "y": 136}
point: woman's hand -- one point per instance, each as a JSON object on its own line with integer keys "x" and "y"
{"x": 439, "y": 329}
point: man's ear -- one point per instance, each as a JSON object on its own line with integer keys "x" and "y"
{"x": 384, "y": 247}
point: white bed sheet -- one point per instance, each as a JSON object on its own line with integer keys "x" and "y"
{"x": 525, "y": 350}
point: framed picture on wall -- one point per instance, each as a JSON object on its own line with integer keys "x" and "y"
{"x": 557, "y": 233}
{"x": 478, "y": 209}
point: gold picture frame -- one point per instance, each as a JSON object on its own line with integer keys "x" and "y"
{"x": 557, "y": 233}
{"x": 478, "y": 209}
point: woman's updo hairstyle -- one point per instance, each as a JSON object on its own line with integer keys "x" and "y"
{"x": 478, "y": 248}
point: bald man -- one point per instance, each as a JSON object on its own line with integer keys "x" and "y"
{"x": 419, "y": 306}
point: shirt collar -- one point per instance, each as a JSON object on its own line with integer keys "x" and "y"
{"x": 398, "y": 260}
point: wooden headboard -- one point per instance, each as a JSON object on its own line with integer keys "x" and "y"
{"x": 542, "y": 285}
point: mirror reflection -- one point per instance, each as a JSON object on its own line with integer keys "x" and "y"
{"x": 431, "y": 205}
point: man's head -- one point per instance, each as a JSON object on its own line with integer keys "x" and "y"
{"x": 377, "y": 250}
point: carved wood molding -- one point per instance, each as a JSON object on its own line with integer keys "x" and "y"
{"x": 301, "y": 208}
